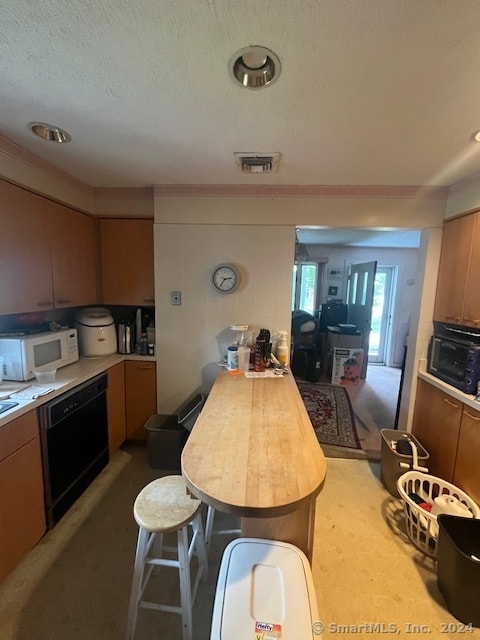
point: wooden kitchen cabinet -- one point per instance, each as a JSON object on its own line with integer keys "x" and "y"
{"x": 127, "y": 262}
{"x": 117, "y": 425}
{"x": 467, "y": 468}
{"x": 436, "y": 424}
{"x": 140, "y": 396}
{"x": 48, "y": 253}
{"x": 25, "y": 262}
{"x": 22, "y": 511}
{"x": 74, "y": 257}
{"x": 457, "y": 298}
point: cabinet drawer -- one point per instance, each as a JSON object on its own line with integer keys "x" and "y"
{"x": 17, "y": 433}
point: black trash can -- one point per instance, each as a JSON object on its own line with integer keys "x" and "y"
{"x": 391, "y": 459}
{"x": 458, "y": 566}
{"x": 168, "y": 433}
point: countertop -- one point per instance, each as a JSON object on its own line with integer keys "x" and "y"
{"x": 253, "y": 450}
{"x": 447, "y": 388}
{"x": 66, "y": 378}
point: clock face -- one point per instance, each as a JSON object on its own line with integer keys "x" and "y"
{"x": 225, "y": 278}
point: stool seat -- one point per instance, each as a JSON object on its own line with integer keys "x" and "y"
{"x": 165, "y": 505}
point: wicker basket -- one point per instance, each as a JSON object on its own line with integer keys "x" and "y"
{"x": 422, "y": 526}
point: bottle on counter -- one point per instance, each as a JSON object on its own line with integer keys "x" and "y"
{"x": 282, "y": 348}
{"x": 142, "y": 349}
{"x": 232, "y": 358}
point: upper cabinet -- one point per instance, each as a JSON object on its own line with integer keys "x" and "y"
{"x": 48, "y": 253}
{"x": 458, "y": 296}
{"x": 127, "y": 262}
{"x": 25, "y": 261}
{"x": 74, "y": 257}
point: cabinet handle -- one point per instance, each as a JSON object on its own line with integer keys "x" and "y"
{"x": 452, "y": 404}
{"x": 476, "y": 418}
{"x": 476, "y": 321}
{"x": 149, "y": 300}
{"x": 456, "y": 318}
{"x": 63, "y": 301}
{"x": 145, "y": 366}
{"x": 45, "y": 303}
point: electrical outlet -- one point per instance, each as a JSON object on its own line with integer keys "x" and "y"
{"x": 176, "y": 297}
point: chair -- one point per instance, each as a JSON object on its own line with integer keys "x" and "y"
{"x": 165, "y": 505}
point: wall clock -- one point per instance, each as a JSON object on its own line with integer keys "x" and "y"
{"x": 225, "y": 278}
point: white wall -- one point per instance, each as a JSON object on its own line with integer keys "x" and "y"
{"x": 193, "y": 233}
{"x": 405, "y": 259}
{"x": 193, "y": 337}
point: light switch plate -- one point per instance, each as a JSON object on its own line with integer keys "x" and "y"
{"x": 176, "y": 297}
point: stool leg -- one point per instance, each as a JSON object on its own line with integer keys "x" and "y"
{"x": 200, "y": 546}
{"x": 136, "y": 591}
{"x": 185, "y": 584}
{"x": 209, "y": 527}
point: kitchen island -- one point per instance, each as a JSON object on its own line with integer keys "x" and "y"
{"x": 253, "y": 452}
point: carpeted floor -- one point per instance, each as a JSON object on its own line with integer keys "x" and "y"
{"x": 75, "y": 584}
{"x": 330, "y": 413}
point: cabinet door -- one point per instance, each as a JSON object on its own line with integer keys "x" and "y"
{"x": 127, "y": 262}
{"x": 74, "y": 257}
{"x": 24, "y": 251}
{"x": 454, "y": 264}
{"x": 141, "y": 397}
{"x": 22, "y": 512}
{"x": 471, "y": 309}
{"x": 436, "y": 424}
{"x": 116, "y": 407}
{"x": 467, "y": 468}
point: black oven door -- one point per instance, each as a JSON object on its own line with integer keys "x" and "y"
{"x": 447, "y": 360}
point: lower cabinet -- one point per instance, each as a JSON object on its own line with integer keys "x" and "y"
{"x": 436, "y": 424}
{"x": 450, "y": 431}
{"x": 117, "y": 424}
{"x": 22, "y": 511}
{"x": 141, "y": 397}
{"x": 467, "y": 468}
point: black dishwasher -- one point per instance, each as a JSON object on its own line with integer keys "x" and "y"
{"x": 74, "y": 440}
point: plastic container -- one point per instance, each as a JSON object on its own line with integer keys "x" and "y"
{"x": 168, "y": 433}
{"x": 232, "y": 358}
{"x": 391, "y": 461}
{"x": 458, "y": 566}
{"x": 45, "y": 375}
{"x": 422, "y": 526}
{"x": 250, "y": 569}
{"x": 282, "y": 348}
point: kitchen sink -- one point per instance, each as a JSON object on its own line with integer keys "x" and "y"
{"x": 5, "y": 406}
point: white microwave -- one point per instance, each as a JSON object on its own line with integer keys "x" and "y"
{"x": 22, "y": 355}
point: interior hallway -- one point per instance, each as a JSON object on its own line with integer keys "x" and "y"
{"x": 374, "y": 402}
{"x": 75, "y": 584}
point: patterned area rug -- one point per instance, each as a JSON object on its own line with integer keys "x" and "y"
{"x": 331, "y": 414}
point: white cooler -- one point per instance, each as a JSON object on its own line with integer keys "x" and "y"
{"x": 264, "y": 590}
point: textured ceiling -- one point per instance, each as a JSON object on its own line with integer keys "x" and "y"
{"x": 372, "y": 92}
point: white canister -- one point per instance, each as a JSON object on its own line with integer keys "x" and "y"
{"x": 232, "y": 358}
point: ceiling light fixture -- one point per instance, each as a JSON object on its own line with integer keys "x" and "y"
{"x": 254, "y": 67}
{"x": 475, "y": 136}
{"x": 50, "y": 133}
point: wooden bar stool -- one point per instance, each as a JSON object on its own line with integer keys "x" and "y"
{"x": 163, "y": 506}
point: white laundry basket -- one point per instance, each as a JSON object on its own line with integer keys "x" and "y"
{"x": 264, "y": 590}
{"x": 422, "y": 526}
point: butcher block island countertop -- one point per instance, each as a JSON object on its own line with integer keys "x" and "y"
{"x": 253, "y": 452}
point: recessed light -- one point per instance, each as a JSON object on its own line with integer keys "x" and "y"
{"x": 254, "y": 67}
{"x": 50, "y": 133}
{"x": 476, "y": 136}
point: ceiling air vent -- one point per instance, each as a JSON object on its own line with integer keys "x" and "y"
{"x": 257, "y": 162}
